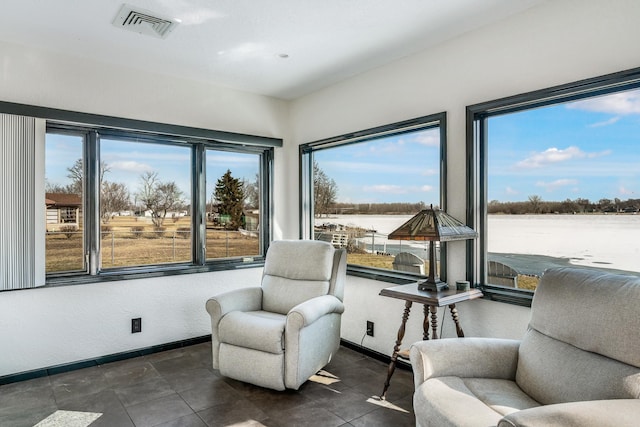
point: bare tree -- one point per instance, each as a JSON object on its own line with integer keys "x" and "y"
{"x": 325, "y": 191}
{"x": 158, "y": 197}
{"x": 76, "y": 174}
{"x": 606, "y": 205}
{"x": 252, "y": 192}
{"x": 535, "y": 203}
{"x": 58, "y": 188}
{"x": 114, "y": 197}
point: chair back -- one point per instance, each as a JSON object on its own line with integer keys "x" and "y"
{"x": 595, "y": 311}
{"x": 583, "y": 341}
{"x": 297, "y": 270}
{"x": 406, "y": 261}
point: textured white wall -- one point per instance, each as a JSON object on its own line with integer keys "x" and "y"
{"x": 478, "y": 318}
{"x": 51, "y": 326}
{"x": 36, "y": 77}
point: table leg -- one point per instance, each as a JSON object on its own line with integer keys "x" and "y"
{"x": 396, "y": 349}
{"x": 456, "y": 320}
{"x": 434, "y": 322}
{"x": 425, "y": 323}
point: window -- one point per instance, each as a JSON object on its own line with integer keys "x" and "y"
{"x": 148, "y": 196}
{"x": 64, "y": 170}
{"x": 562, "y": 185}
{"x": 233, "y": 207}
{"x": 358, "y": 188}
{"x": 69, "y": 215}
{"x": 75, "y": 203}
{"x": 129, "y": 198}
{"x": 145, "y": 203}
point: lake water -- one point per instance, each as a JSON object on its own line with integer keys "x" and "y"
{"x": 602, "y": 241}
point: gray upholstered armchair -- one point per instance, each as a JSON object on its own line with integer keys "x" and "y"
{"x": 281, "y": 333}
{"x": 577, "y": 365}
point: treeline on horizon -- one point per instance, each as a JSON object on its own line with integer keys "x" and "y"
{"x": 377, "y": 208}
{"x": 534, "y": 205}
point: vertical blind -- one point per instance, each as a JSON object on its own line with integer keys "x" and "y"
{"x": 18, "y": 203}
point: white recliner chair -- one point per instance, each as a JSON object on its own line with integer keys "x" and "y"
{"x": 578, "y": 364}
{"x": 281, "y": 333}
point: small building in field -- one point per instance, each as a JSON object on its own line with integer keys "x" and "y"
{"x": 63, "y": 209}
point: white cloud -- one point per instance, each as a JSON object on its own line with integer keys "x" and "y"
{"x": 554, "y": 185}
{"x": 386, "y": 189}
{"x": 397, "y": 189}
{"x": 430, "y": 172}
{"x": 430, "y": 139}
{"x": 367, "y": 167}
{"x": 625, "y": 191}
{"x": 510, "y": 190}
{"x": 600, "y": 154}
{"x": 230, "y": 160}
{"x": 130, "y": 166}
{"x": 387, "y": 147}
{"x": 555, "y": 155}
{"x": 617, "y": 103}
{"x": 609, "y": 122}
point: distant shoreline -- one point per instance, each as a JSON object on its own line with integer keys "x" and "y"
{"x": 532, "y": 243}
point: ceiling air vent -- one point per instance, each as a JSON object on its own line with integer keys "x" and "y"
{"x": 144, "y": 22}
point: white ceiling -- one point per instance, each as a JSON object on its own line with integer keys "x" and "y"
{"x": 239, "y": 43}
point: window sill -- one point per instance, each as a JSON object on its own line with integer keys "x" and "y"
{"x": 508, "y": 295}
{"x": 382, "y": 275}
{"x": 151, "y": 271}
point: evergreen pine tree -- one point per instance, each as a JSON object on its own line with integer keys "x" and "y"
{"x": 229, "y": 195}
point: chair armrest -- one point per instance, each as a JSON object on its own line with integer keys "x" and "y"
{"x": 244, "y": 299}
{"x": 596, "y": 413}
{"x": 464, "y": 357}
{"x": 311, "y": 310}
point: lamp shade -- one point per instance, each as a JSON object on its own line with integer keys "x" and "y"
{"x": 435, "y": 225}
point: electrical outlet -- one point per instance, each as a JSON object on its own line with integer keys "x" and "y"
{"x": 369, "y": 328}
{"x": 136, "y": 325}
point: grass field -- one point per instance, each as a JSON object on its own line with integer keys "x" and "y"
{"x": 131, "y": 241}
{"x": 127, "y": 241}
{"x": 378, "y": 261}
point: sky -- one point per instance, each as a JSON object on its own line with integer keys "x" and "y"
{"x": 403, "y": 168}
{"x": 588, "y": 149}
{"x": 127, "y": 161}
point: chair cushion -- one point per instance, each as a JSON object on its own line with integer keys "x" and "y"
{"x": 454, "y": 401}
{"x": 300, "y": 260}
{"x": 552, "y": 371}
{"x": 592, "y": 413}
{"x": 280, "y": 295}
{"x": 592, "y": 310}
{"x": 258, "y": 330}
{"x": 295, "y": 271}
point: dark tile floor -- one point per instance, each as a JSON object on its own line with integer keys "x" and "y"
{"x": 178, "y": 388}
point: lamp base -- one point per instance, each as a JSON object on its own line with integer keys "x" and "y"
{"x": 432, "y": 286}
